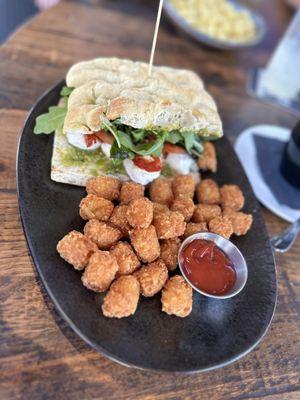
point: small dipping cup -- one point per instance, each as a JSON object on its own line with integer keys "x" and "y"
{"x": 233, "y": 254}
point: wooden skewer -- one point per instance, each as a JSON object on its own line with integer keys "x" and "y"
{"x": 155, "y": 36}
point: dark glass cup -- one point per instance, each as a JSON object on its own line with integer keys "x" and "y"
{"x": 290, "y": 164}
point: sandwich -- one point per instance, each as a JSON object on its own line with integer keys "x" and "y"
{"x": 114, "y": 119}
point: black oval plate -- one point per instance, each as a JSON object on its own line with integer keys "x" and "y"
{"x": 216, "y": 333}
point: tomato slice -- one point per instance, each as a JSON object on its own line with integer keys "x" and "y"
{"x": 150, "y": 164}
{"x": 172, "y": 148}
{"x": 90, "y": 139}
{"x": 104, "y": 137}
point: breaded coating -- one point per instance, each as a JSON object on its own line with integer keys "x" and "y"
{"x": 184, "y": 185}
{"x": 130, "y": 191}
{"x": 93, "y": 206}
{"x": 101, "y": 233}
{"x": 140, "y": 213}
{"x": 100, "y": 271}
{"x": 152, "y": 278}
{"x": 118, "y": 220}
{"x": 169, "y": 225}
{"x": 177, "y": 297}
{"x": 206, "y": 212}
{"x": 241, "y": 222}
{"x": 222, "y": 226}
{"x": 104, "y": 186}
{"x": 76, "y": 249}
{"x": 122, "y": 297}
{"x": 185, "y": 206}
{"x": 208, "y": 192}
{"x": 145, "y": 243}
{"x": 192, "y": 228}
{"x": 160, "y": 191}
{"x": 232, "y": 197}
{"x": 169, "y": 249}
{"x": 208, "y": 160}
{"x": 159, "y": 208}
{"x": 126, "y": 258}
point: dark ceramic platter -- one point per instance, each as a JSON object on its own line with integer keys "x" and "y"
{"x": 216, "y": 333}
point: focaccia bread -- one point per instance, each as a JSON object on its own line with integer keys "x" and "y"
{"x": 171, "y": 99}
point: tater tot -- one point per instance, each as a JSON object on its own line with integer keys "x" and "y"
{"x": 208, "y": 192}
{"x": 159, "y": 208}
{"x": 183, "y": 185}
{"x": 104, "y": 186}
{"x": 222, "y": 226}
{"x": 177, "y": 297}
{"x": 185, "y": 206}
{"x": 93, "y": 206}
{"x": 100, "y": 271}
{"x": 76, "y": 249}
{"x": 122, "y": 297}
{"x": 160, "y": 191}
{"x": 241, "y": 222}
{"x": 169, "y": 252}
{"x": 140, "y": 213}
{"x": 232, "y": 197}
{"x": 208, "y": 160}
{"x": 118, "y": 220}
{"x": 126, "y": 258}
{"x": 206, "y": 212}
{"x": 130, "y": 191}
{"x": 145, "y": 243}
{"x": 152, "y": 278}
{"x": 192, "y": 228}
{"x": 169, "y": 225}
{"x": 101, "y": 233}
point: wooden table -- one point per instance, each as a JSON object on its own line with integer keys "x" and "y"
{"x": 40, "y": 356}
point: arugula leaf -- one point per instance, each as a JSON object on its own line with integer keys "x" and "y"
{"x": 189, "y": 139}
{"x": 66, "y": 91}
{"x": 50, "y": 121}
{"x": 138, "y": 135}
{"x": 111, "y": 128}
{"x": 174, "y": 137}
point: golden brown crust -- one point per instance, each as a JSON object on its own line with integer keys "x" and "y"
{"x": 100, "y": 271}
{"x": 183, "y": 186}
{"x": 152, "y": 277}
{"x": 208, "y": 192}
{"x": 232, "y": 197}
{"x": 104, "y": 186}
{"x": 96, "y": 207}
{"x": 145, "y": 243}
{"x": 241, "y": 222}
{"x": 185, "y": 206}
{"x": 169, "y": 225}
{"x": 140, "y": 213}
{"x": 159, "y": 208}
{"x": 122, "y": 297}
{"x": 206, "y": 212}
{"x": 76, "y": 249}
{"x": 222, "y": 226}
{"x": 169, "y": 249}
{"x": 118, "y": 220}
{"x": 192, "y": 228}
{"x": 101, "y": 233}
{"x": 160, "y": 191}
{"x": 208, "y": 160}
{"x": 131, "y": 191}
{"x": 126, "y": 258}
{"x": 177, "y": 297}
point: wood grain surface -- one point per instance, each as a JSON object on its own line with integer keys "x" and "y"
{"x": 40, "y": 357}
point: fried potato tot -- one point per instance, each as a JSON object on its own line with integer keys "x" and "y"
{"x": 101, "y": 233}
{"x": 145, "y": 243}
{"x": 177, "y": 297}
{"x": 206, "y": 212}
{"x": 241, "y": 222}
{"x": 192, "y": 228}
{"x": 159, "y": 208}
{"x": 160, "y": 191}
{"x": 104, "y": 186}
{"x": 208, "y": 160}
{"x": 122, "y": 297}
{"x": 185, "y": 206}
{"x": 126, "y": 258}
{"x": 232, "y": 197}
{"x": 222, "y": 226}
{"x": 208, "y": 192}
{"x": 152, "y": 278}
{"x": 76, "y": 249}
{"x": 96, "y": 207}
{"x": 131, "y": 191}
{"x": 184, "y": 185}
{"x": 169, "y": 225}
{"x": 169, "y": 249}
{"x": 100, "y": 271}
{"x": 118, "y": 220}
{"x": 140, "y": 213}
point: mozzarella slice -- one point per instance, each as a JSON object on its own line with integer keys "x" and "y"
{"x": 105, "y": 147}
{"x": 181, "y": 163}
{"x": 137, "y": 174}
{"x": 76, "y": 139}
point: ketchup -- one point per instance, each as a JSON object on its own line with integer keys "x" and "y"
{"x": 90, "y": 139}
{"x": 153, "y": 164}
{"x": 207, "y": 267}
